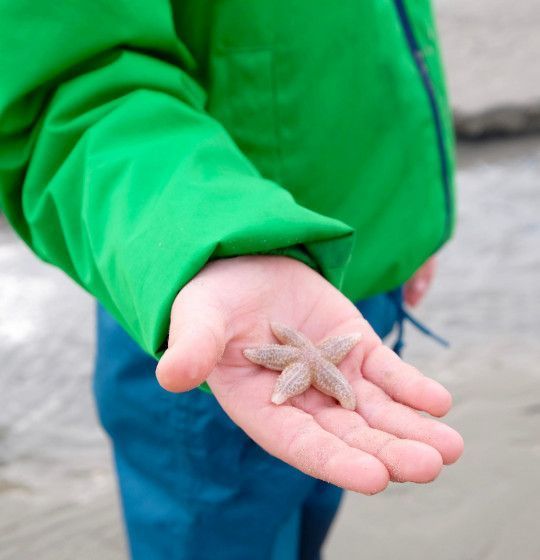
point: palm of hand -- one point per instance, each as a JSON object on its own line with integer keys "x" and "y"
{"x": 229, "y": 306}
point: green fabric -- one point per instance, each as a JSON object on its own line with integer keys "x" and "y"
{"x": 138, "y": 140}
{"x": 427, "y": 38}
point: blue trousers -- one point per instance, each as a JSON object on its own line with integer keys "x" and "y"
{"x": 194, "y": 485}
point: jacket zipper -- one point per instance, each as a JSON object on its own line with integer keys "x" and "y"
{"x": 423, "y": 71}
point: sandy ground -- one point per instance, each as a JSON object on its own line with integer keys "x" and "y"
{"x": 57, "y": 495}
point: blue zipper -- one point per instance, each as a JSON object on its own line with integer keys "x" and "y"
{"x": 423, "y": 71}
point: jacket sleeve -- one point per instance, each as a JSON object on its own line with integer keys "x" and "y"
{"x": 111, "y": 170}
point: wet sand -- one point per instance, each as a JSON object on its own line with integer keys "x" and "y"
{"x": 57, "y": 495}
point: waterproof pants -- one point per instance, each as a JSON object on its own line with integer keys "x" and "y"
{"x": 194, "y": 485}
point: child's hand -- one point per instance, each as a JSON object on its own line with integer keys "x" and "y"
{"x": 417, "y": 287}
{"x": 228, "y": 306}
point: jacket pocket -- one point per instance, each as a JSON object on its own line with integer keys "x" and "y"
{"x": 242, "y": 97}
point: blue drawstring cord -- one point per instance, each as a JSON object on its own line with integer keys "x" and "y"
{"x": 402, "y": 315}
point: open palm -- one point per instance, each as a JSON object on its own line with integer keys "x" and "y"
{"x": 229, "y": 305}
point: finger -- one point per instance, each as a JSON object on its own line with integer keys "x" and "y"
{"x": 196, "y": 342}
{"x": 430, "y": 269}
{"x": 417, "y": 287}
{"x": 295, "y": 437}
{"x": 404, "y": 383}
{"x": 384, "y": 414}
{"x": 414, "y": 291}
{"x": 406, "y": 460}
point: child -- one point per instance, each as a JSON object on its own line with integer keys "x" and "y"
{"x": 204, "y": 168}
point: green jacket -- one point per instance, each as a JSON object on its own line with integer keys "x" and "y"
{"x": 140, "y": 139}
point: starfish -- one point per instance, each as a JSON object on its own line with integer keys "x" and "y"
{"x": 304, "y": 364}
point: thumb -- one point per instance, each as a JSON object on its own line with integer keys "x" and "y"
{"x": 197, "y": 339}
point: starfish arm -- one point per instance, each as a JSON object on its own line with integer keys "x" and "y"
{"x": 288, "y": 335}
{"x": 329, "y": 380}
{"x": 334, "y": 349}
{"x": 294, "y": 380}
{"x": 272, "y": 356}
